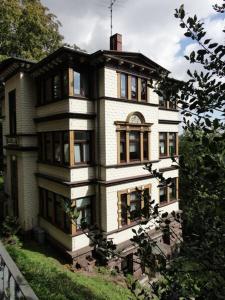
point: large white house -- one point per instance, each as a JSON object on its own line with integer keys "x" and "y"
{"x": 81, "y": 127}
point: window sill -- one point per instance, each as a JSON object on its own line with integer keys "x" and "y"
{"x": 168, "y": 203}
{"x": 78, "y": 166}
{"x": 166, "y": 157}
{"x": 54, "y": 224}
{"x": 168, "y": 109}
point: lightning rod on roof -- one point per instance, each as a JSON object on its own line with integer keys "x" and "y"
{"x": 112, "y": 2}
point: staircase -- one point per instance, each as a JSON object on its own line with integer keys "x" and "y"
{"x": 13, "y": 285}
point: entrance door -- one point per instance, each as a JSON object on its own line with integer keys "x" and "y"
{"x": 14, "y": 186}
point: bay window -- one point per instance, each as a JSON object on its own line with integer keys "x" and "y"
{"x": 83, "y": 206}
{"x": 82, "y": 145}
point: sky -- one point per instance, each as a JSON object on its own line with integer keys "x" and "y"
{"x": 147, "y": 26}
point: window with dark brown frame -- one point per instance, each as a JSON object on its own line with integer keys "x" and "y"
{"x": 52, "y": 88}
{"x": 168, "y": 144}
{"x": 123, "y": 146}
{"x": 134, "y": 88}
{"x": 162, "y": 102}
{"x": 48, "y": 147}
{"x": 84, "y": 208}
{"x": 172, "y": 143}
{"x": 145, "y": 145}
{"x": 130, "y": 205}
{"x": 163, "y": 144}
{"x": 134, "y": 145}
{"x": 123, "y": 85}
{"x": 143, "y": 90}
{"x": 54, "y": 147}
{"x": 57, "y": 148}
{"x": 51, "y": 208}
{"x": 162, "y": 195}
{"x": 56, "y": 87}
{"x": 169, "y": 193}
{"x": 82, "y": 146}
{"x": 12, "y": 113}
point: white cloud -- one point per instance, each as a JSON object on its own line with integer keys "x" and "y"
{"x": 147, "y": 26}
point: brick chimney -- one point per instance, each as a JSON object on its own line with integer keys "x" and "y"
{"x": 116, "y": 42}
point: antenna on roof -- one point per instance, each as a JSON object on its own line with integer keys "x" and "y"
{"x": 112, "y": 2}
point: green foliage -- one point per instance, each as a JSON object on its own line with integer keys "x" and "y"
{"x": 27, "y": 29}
{"x": 9, "y": 228}
{"x": 50, "y": 280}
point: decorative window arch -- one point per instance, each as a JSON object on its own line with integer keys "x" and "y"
{"x": 135, "y": 118}
{"x": 133, "y": 139}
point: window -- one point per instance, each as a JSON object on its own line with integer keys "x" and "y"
{"x": 162, "y": 195}
{"x": 124, "y": 209}
{"x": 49, "y": 205}
{"x": 53, "y": 87}
{"x": 82, "y": 141}
{"x": 169, "y": 148}
{"x": 123, "y": 85}
{"x": 173, "y": 190}
{"x": 65, "y": 83}
{"x": 51, "y": 208}
{"x": 172, "y": 143}
{"x": 172, "y": 105}
{"x": 58, "y": 210}
{"x": 122, "y": 146}
{"x": 134, "y": 93}
{"x": 145, "y": 145}
{"x": 57, "y": 147}
{"x": 12, "y": 112}
{"x": 162, "y": 102}
{"x": 66, "y": 159}
{"x": 134, "y": 145}
{"x": 56, "y": 87}
{"x": 131, "y": 204}
{"x": 83, "y": 206}
{"x": 135, "y": 206}
{"x": 48, "y": 146}
{"x": 143, "y": 90}
{"x": 162, "y": 144}
{"x": 168, "y": 193}
{"x": 48, "y": 90}
{"x": 78, "y": 88}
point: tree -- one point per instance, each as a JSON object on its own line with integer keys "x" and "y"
{"x": 197, "y": 270}
{"x": 27, "y": 30}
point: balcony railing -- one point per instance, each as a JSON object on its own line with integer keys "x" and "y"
{"x": 13, "y": 285}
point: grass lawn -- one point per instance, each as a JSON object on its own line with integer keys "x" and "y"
{"x": 51, "y": 280}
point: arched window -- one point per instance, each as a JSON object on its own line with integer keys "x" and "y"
{"x": 133, "y": 138}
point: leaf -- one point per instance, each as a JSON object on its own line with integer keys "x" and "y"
{"x": 213, "y": 45}
{"x": 188, "y": 34}
{"x": 208, "y": 122}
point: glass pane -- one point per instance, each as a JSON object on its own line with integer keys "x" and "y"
{"x": 66, "y": 153}
{"x": 65, "y": 82}
{"x": 123, "y": 86}
{"x": 82, "y": 135}
{"x": 124, "y": 209}
{"x": 86, "y": 152}
{"x": 56, "y": 87}
{"x": 83, "y": 202}
{"x": 143, "y": 89}
{"x": 77, "y": 83}
{"x": 162, "y": 195}
{"x": 172, "y": 190}
{"x": 133, "y": 87}
{"x": 77, "y": 153}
